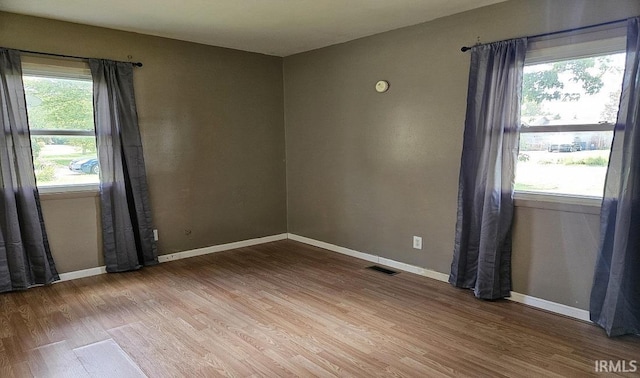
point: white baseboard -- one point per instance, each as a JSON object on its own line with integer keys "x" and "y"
{"x": 557, "y": 308}
{"x": 179, "y": 255}
{"x": 373, "y": 258}
{"x": 542, "y": 304}
{"x": 220, "y": 248}
{"x": 414, "y": 269}
{"x": 82, "y": 273}
{"x": 334, "y": 248}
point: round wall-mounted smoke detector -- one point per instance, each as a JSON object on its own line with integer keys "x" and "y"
{"x": 382, "y": 86}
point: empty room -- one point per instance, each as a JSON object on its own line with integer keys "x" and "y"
{"x": 267, "y": 188}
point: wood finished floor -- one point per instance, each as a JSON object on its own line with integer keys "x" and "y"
{"x": 288, "y": 309}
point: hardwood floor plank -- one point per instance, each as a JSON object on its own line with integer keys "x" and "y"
{"x": 289, "y": 309}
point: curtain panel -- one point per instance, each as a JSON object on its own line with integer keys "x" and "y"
{"x": 127, "y": 230}
{"x": 615, "y": 295}
{"x": 25, "y": 256}
{"x": 482, "y": 250}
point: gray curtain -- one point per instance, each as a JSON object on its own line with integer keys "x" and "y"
{"x": 615, "y": 295}
{"x": 482, "y": 250}
{"x": 127, "y": 230}
{"x": 25, "y": 257}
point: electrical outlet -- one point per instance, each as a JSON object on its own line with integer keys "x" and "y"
{"x": 155, "y": 234}
{"x": 417, "y": 242}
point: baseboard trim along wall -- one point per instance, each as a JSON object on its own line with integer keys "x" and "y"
{"x": 221, "y": 247}
{"x": 180, "y": 255}
{"x": 82, "y": 273}
{"x": 542, "y": 304}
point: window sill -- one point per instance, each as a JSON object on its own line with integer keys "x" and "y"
{"x": 558, "y": 202}
{"x": 68, "y": 192}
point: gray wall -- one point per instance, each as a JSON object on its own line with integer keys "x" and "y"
{"x": 367, "y": 171}
{"x": 554, "y": 252}
{"x": 212, "y": 127}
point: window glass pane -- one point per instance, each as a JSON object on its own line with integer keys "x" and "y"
{"x": 570, "y": 92}
{"x": 583, "y": 91}
{"x": 563, "y": 163}
{"x": 59, "y": 103}
{"x": 65, "y": 160}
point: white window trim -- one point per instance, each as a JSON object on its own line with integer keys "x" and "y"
{"x": 76, "y": 191}
{"x": 558, "y": 202}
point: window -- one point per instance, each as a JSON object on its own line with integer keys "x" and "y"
{"x": 569, "y": 105}
{"x": 59, "y": 98}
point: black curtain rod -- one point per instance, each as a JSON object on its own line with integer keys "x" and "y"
{"x": 465, "y": 48}
{"x": 136, "y": 64}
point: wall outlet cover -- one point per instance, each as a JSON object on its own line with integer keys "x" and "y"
{"x": 417, "y": 242}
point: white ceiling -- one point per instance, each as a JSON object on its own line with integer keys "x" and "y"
{"x": 274, "y": 27}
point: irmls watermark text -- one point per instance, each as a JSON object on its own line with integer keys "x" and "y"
{"x": 616, "y": 366}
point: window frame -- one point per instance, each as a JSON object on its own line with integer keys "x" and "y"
{"x": 582, "y": 45}
{"x": 60, "y": 68}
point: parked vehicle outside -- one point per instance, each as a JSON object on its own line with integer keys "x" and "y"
{"x": 85, "y": 165}
{"x": 564, "y": 147}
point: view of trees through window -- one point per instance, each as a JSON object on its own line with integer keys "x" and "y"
{"x": 568, "y": 111}
{"x": 60, "y": 112}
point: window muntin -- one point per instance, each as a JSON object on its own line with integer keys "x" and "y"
{"x": 568, "y": 111}
{"x": 60, "y": 113}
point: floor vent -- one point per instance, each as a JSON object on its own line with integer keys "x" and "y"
{"x": 382, "y": 270}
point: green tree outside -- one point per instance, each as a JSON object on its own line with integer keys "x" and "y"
{"x": 545, "y": 85}
{"x": 61, "y": 104}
